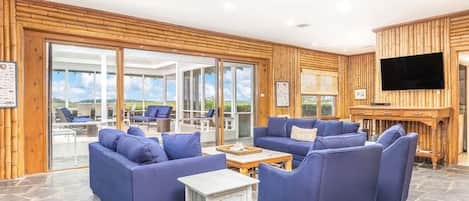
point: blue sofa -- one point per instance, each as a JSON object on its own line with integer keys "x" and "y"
{"x": 346, "y": 174}
{"x": 276, "y": 136}
{"x": 153, "y": 113}
{"x": 114, "y": 177}
{"x": 396, "y": 163}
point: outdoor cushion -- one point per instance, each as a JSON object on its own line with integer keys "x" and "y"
{"x": 152, "y": 111}
{"x": 81, "y": 119}
{"x": 350, "y": 127}
{"x": 140, "y": 150}
{"x": 300, "y": 123}
{"x": 328, "y": 128}
{"x": 164, "y": 111}
{"x": 390, "y": 135}
{"x": 274, "y": 143}
{"x": 142, "y": 118}
{"x": 108, "y": 137}
{"x": 68, "y": 115}
{"x": 179, "y": 146}
{"x": 135, "y": 131}
{"x": 277, "y": 127}
{"x": 339, "y": 141}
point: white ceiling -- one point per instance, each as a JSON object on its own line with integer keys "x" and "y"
{"x": 341, "y": 26}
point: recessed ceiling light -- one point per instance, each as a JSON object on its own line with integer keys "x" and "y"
{"x": 344, "y": 6}
{"x": 229, "y": 6}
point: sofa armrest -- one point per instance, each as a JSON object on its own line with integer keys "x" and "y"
{"x": 160, "y": 180}
{"x": 258, "y": 133}
{"x": 273, "y": 182}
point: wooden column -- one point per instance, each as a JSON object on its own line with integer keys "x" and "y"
{"x": 10, "y": 151}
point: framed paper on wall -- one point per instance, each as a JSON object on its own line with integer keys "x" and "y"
{"x": 8, "y": 85}
{"x": 360, "y": 94}
{"x": 282, "y": 94}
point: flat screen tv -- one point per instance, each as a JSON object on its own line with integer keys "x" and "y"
{"x": 413, "y": 72}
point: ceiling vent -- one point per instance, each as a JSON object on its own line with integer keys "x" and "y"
{"x": 302, "y": 25}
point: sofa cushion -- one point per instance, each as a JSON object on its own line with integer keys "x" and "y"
{"x": 135, "y": 131}
{"x": 350, "y": 127}
{"x": 179, "y": 146}
{"x": 328, "y": 128}
{"x": 339, "y": 141}
{"x": 68, "y": 115}
{"x": 140, "y": 150}
{"x": 300, "y": 123}
{"x": 299, "y": 147}
{"x": 108, "y": 137}
{"x": 277, "y": 127}
{"x": 274, "y": 143}
{"x": 390, "y": 135}
{"x": 164, "y": 111}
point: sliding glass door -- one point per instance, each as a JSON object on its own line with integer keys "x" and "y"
{"x": 82, "y": 98}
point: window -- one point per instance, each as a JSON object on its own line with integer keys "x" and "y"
{"x": 318, "y": 93}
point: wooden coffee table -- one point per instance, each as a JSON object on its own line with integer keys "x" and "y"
{"x": 244, "y": 163}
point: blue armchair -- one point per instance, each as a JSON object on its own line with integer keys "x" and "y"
{"x": 396, "y": 169}
{"x": 347, "y": 174}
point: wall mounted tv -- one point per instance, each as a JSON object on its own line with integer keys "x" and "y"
{"x": 413, "y": 72}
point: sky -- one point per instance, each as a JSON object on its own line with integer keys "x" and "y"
{"x": 80, "y": 86}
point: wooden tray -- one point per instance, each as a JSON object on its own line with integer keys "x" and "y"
{"x": 247, "y": 150}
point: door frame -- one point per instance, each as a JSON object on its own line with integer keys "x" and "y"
{"x": 119, "y": 47}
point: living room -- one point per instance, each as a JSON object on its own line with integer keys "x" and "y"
{"x": 263, "y": 93}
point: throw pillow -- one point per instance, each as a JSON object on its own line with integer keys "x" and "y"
{"x": 108, "y": 137}
{"x": 277, "y": 127}
{"x": 179, "y": 146}
{"x": 390, "y": 135}
{"x": 140, "y": 149}
{"x": 303, "y": 134}
{"x": 135, "y": 131}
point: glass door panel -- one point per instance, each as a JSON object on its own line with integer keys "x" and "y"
{"x": 238, "y": 94}
{"x": 82, "y": 87}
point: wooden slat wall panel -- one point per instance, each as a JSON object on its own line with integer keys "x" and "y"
{"x": 318, "y": 60}
{"x": 361, "y": 70}
{"x": 57, "y": 18}
{"x": 285, "y": 67}
{"x": 421, "y": 38}
{"x": 459, "y": 32}
{"x": 343, "y": 102}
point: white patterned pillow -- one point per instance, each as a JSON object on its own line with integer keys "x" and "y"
{"x": 303, "y": 134}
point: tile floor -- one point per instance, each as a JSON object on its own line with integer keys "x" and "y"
{"x": 448, "y": 184}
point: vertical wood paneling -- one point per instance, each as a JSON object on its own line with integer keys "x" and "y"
{"x": 414, "y": 39}
{"x": 361, "y": 70}
{"x": 284, "y": 66}
{"x": 343, "y": 100}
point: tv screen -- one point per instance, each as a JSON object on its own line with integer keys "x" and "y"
{"x": 413, "y": 72}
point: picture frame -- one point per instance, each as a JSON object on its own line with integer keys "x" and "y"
{"x": 8, "y": 84}
{"x": 360, "y": 94}
{"x": 282, "y": 94}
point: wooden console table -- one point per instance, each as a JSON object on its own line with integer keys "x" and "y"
{"x": 435, "y": 118}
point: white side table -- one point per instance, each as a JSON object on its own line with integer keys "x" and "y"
{"x": 220, "y": 185}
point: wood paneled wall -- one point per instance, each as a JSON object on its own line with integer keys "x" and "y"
{"x": 361, "y": 71}
{"x": 425, "y": 37}
{"x": 285, "y": 65}
{"x": 459, "y": 31}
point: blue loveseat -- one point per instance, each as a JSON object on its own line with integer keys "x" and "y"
{"x": 276, "y": 136}
{"x": 153, "y": 113}
{"x": 115, "y": 177}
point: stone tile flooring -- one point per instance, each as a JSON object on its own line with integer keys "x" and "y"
{"x": 448, "y": 184}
